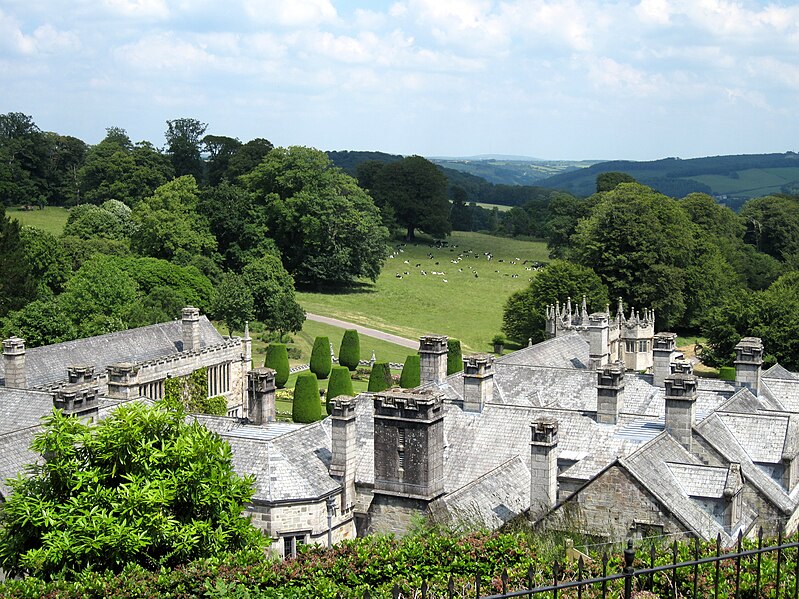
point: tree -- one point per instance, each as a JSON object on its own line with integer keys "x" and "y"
{"x": 416, "y": 189}
{"x": 524, "y": 316}
{"x": 307, "y": 406}
{"x": 327, "y": 228}
{"x": 340, "y": 383}
{"x": 380, "y": 377}
{"x": 277, "y": 358}
{"x": 49, "y": 264}
{"x": 773, "y": 225}
{"x": 233, "y": 302}
{"x": 247, "y": 157}
{"x": 184, "y": 141}
{"x": 349, "y": 353}
{"x": 87, "y": 220}
{"x": 24, "y": 159}
{"x": 609, "y": 181}
{"x": 142, "y": 486}
{"x": 411, "y": 375}
{"x": 321, "y": 362}
{"x": 220, "y": 149}
{"x": 454, "y": 356}
{"x": 272, "y": 290}
{"x": 168, "y": 225}
{"x": 41, "y": 322}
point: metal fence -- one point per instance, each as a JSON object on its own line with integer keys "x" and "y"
{"x": 744, "y": 575}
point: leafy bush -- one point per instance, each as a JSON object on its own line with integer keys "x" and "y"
{"x": 411, "y": 372}
{"x": 142, "y": 486}
{"x": 454, "y": 356}
{"x": 306, "y": 406}
{"x": 380, "y": 379}
{"x": 340, "y": 383}
{"x": 277, "y": 358}
{"x": 349, "y": 354}
{"x": 321, "y": 362}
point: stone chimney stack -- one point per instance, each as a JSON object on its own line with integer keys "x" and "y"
{"x": 14, "y": 362}
{"x": 543, "y": 466}
{"x": 748, "y": 361}
{"x": 609, "y": 393}
{"x": 261, "y": 395}
{"x": 663, "y": 347}
{"x": 478, "y": 382}
{"x": 598, "y": 339}
{"x": 80, "y": 373}
{"x": 123, "y": 380}
{"x": 191, "y": 328}
{"x": 680, "y": 407}
{"x": 345, "y": 449}
{"x": 77, "y": 400}
{"x": 433, "y": 358}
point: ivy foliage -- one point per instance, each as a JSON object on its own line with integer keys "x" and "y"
{"x": 143, "y": 486}
{"x": 191, "y": 393}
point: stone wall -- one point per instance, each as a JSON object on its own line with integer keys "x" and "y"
{"x": 614, "y": 507}
{"x": 395, "y": 514}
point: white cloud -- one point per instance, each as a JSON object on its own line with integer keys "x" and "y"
{"x": 292, "y": 13}
{"x": 147, "y": 9}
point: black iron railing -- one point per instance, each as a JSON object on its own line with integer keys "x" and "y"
{"x": 743, "y": 576}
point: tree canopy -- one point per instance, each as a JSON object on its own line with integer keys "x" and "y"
{"x": 142, "y": 486}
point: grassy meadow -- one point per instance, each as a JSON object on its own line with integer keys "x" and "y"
{"x": 753, "y": 182}
{"x": 464, "y": 300}
{"x": 52, "y": 219}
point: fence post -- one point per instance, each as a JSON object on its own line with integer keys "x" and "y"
{"x": 738, "y": 565}
{"x": 629, "y": 558}
{"x": 696, "y": 563}
{"x": 757, "y": 572}
{"x": 779, "y": 562}
{"x": 718, "y": 565}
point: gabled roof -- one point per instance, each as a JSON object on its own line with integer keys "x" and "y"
{"x": 569, "y": 351}
{"x": 778, "y": 372}
{"x": 48, "y": 364}
{"x": 784, "y": 391}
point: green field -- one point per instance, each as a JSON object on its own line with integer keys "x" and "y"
{"x": 466, "y": 307}
{"x": 500, "y": 207}
{"x": 753, "y": 182}
{"x": 52, "y": 219}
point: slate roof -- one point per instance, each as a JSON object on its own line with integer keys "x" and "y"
{"x": 763, "y": 436}
{"x": 48, "y": 364}
{"x": 785, "y": 392}
{"x": 15, "y": 455}
{"x": 778, "y": 372}
{"x": 22, "y": 408}
{"x": 567, "y": 351}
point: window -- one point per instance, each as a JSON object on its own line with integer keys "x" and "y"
{"x": 153, "y": 390}
{"x": 218, "y": 379}
{"x": 629, "y": 346}
{"x": 643, "y": 346}
{"x": 291, "y": 543}
{"x": 401, "y": 449}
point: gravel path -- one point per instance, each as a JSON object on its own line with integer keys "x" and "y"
{"x": 364, "y": 330}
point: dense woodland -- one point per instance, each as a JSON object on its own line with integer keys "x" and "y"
{"x": 234, "y": 227}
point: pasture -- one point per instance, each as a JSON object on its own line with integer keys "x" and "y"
{"x": 52, "y": 219}
{"x": 753, "y": 182}
{"x": 455, "y": 290}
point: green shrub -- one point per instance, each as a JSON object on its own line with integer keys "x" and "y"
{"x": 411, "y": 372}
{"x": 340, "y": 383}
{"x": 306, "y": 406}
{"x": 380, "y": 379}
{"x": 277, "y": 358}
{"x": 320, "y": 358}
{"x": 349, "y": 354}
{"x": 454, "y": 356}
{"x": 727, "y": 373}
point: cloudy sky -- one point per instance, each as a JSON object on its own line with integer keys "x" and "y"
{"x": 568, "y": 79}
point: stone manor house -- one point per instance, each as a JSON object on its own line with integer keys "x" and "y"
{"x": 603, "y": 428}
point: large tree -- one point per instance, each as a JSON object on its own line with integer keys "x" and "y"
{"x": 220, "y": 149}
{"x": 143, "y": 486}
{"x": 773, "y": 225}
{"x": 416, "y": 190}
{"x": 327, "y": 228}
{"x": 17, "y": 284}
{"x": 184, "y": 139}
{"x": 24, "y": 160}
{"x": 272, "y": 289}
{"x": 524, "y": 316}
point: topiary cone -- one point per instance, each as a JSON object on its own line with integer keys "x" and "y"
{"x": 380, "y": 379}
{"x": 321, "y": 362}
{"x": 411, "y": 372}
{"x": 340, "y": 383}
{"x": 277, "y": 358}
{"x": 306, "y": 406}
{"x": 349, "y": 354}
{"x": 454, "y": 356}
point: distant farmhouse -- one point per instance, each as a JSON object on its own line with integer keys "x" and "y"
{"x": 602, "y": 429}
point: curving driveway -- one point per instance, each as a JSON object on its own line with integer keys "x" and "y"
{"x": 364, "y": 330}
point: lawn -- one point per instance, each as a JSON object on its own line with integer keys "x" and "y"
{"x": 52, "y": 219}
{"x": 463, "y": 300}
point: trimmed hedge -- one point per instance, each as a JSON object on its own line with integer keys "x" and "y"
{"x": 727, "y": 373}
{"x": 340, "y": 383}
{"x": 306, "y": 406}
{"x": 277, "y": 358}
{"x": 349, "y": 354}
{"x": 411, "y": 372}
{"x": 380, "y": 379}
{"x": 320, "y": 358}
{"x": 454, "y": 356}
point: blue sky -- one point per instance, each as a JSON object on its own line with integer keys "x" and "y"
{"x": 567, "y": 79}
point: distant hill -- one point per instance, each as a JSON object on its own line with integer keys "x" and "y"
{"x": 512, "y": 170}
{"x": 732, "y": 179}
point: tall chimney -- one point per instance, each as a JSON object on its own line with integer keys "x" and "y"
{"x": 748, "y": 360}
{"x": 663, "y": 346}
{"x": 478, "y": 381}
{"x": 344, "y": 448}
{"x": 680, "y": 406}
{"x": 598, "y": 339}
{"x": 543, "y": 466}
{"x": 433, "y": 358}
{"x": 123, "y": 380}
{"x": 191, "y": 328}
{"x": 14, "y": 362}
{"x": 261, "y": 395}
{"x": 609, "y": 393}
